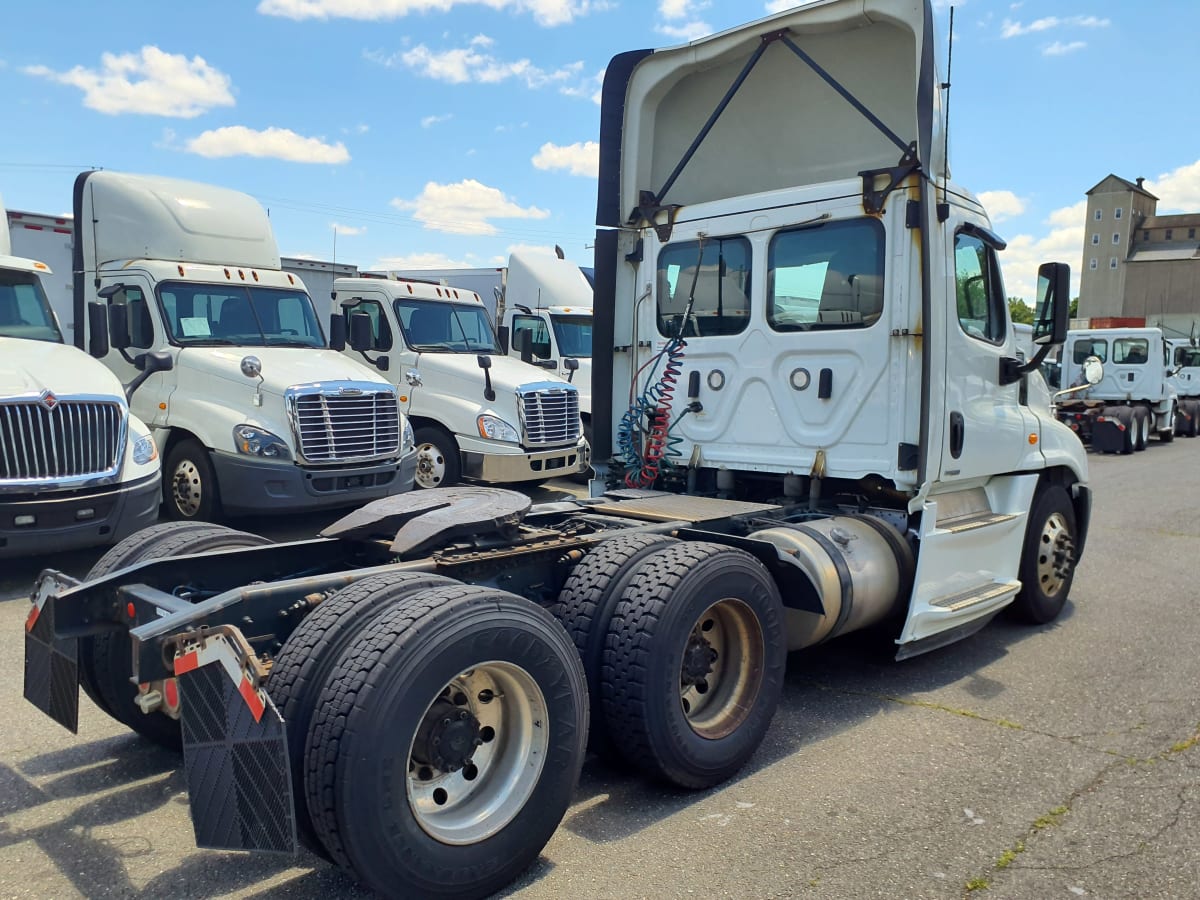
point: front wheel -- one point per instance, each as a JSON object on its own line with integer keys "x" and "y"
{"x": 189, "y": 484}
{"x": 1048, "y": 558}
{"x": 438, "y": 463}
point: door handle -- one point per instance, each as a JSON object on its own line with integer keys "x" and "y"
{"x": 958, "y": 428}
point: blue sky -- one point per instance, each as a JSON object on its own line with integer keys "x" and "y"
{"x": 447, "y": 132}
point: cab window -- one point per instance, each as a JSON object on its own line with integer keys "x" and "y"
{"x": 826, "y": 276}
{"x": 704, "y": 287}
{"x": 141, "y": 326}
{"x": 1188, "y": 357}
{"x": 979, "y": 289}
{"x": 1131, "y": 351}
{"x": 1086, "y": 347}
{"x": 381, "y": 332}
{"x": 539, "y": 335}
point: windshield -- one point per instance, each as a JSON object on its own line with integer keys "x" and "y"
{"x": 240, "y": 315}
{"x": 1188, "y": 357}
{"x": 24, "y": 311}
{"x": 574, "y": 335}
{"x": 437, "y": 327}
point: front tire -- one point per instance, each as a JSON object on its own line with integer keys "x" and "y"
{"x": 1141, "y": 428}
{"x": 694, "y": 663}
{"x": 190, "y": 491}
{"x": 1168, "y": 434}
{"x": 1048, "y": 558}
{"x": 438, "y": 461}
{"x": 447, "y": 743}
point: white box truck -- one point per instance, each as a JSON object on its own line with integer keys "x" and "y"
{"x": 476, "y": 413}
{"x": 853, "y": 452}
{"x": 254, "y": 414}
{"x": 77, "y": 469}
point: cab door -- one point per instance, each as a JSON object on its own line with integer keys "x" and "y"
{"x": 146, "y": 332}
{"x": 986, "y": 429}
{"x": 383, "y": 336}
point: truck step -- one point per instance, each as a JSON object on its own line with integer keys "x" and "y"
{"x": 975, "y": 596}
{"x": 975, "y": 520}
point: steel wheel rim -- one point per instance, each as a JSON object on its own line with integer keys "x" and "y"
{"x": 1054, "y": 555}
{"x": 477, "y": 800}
{"x": 726, "y": 641}
{"x": 187, "y": 487}
{"x": 431, "y": 466}
{"x": 1145, "y": 430}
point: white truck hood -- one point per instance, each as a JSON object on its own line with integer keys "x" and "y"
{"x": 508, "y": 374}
{"x": 31, "y": 367}
{"x": 282, "y": 367}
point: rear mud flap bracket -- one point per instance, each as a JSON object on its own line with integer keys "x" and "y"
{"x": 51, "y": 666}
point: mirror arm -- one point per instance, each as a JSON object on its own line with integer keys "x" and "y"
{"x": 1013, "y": 370}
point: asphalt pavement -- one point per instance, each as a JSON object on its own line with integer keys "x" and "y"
{"x": 1055, "y": 761}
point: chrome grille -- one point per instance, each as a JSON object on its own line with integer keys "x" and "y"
{"x": 69, "y": 439}
{"x": 549, "y": 416}
{"x": 348, "y": 425}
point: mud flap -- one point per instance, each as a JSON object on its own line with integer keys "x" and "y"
{"x": 235, "y": 755}
{"x": 51, "y": 666}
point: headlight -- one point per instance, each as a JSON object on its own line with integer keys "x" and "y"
{"x": 497, "y": 429}
{"x": 408, "y": 440}
{"x": 144, "y": 451}
{"x": 255, "y": 442}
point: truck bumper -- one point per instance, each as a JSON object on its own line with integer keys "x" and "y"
{"x": 511, "y": 468}
{"x": 73, "y": 519}
{"x": 251, "y": 486}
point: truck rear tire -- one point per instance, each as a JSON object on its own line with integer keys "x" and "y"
{"x": 301, "y": 668}
{"x": 586, "y": 603}
{"x": 447, "y": 743}
{"x": 1190, "y": 426}
{"x": 1141, "y": 428}
{"x": 104, "y": 659}
{"x": 438, "y": 461}
{"x": 694, "y": 663}
{"x": 190, "y": 491}
{"x": 1168, "y": 434}
{"x": 1047, "y": 566}
{"x": 1128, "y": 438}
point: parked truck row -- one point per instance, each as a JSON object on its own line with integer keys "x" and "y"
{"x": 810, "y": 418}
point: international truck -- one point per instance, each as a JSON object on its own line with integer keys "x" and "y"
{"x": 542, "y": 307}
{"x": 476, "y": 414}
{"x": 1136, "y": 398}
{"x": 77, "y": 469}
{"x": 181, "y": 287}
{"x": 808, "y": 422}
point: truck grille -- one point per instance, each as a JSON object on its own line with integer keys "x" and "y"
{"x": 350, "y": 425}
{"x": 549, "y": 416}
{"x": 48, "y": 437}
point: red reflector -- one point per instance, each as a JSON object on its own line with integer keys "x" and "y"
{"x": 131, "y": 610}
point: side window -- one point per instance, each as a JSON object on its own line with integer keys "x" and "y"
{"x": 381, "y": 332}
{"x": 1085, "y": 347}
{"x": 978, "y": 288}
{"x": 1180, "y": 356}
{"x": 1131, "y": 351}
{"x": 539, "y": 336}
{"x": 827, "y": 276}
{"x": 703, "y": 287}
{"x": 141, "y": 326}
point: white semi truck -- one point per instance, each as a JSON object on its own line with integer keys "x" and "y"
{"x": 1136, "y": 398}
{"x": 77, "y": 469}
{"x": 1185, "y": 364}
{"x": 475, "y": 413}
{"x": 251, "y": 411}
{"x": 810, "y": 423}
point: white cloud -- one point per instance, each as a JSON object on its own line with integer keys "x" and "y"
{"x": 1063, "y": 242}
{"x": 547, "y": 13}
{"x": 430, "y": 121}
{"x": 780, "y": 5}
{"x": 150, "y": 82}
{"x": 274, "y": 143}
{"x": 348, "y": 230}
{"x": 463, "y": 65}
{"x": 466, "y": 207}
{"x": 686, "y": 32}
{"x": 681, "y": 9}
{"x": 1178, "y": 190}
{"x": 1058, "y": 48}
{"x": 674, "y": 11}
{"x": 1001, "y": 205}
{"x": 1010, "y": 29}
{"x": 422, "y": 261}
{"x": 579, "y": 159}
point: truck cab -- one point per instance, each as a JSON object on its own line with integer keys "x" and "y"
{"x": 252, "y": 412}
{"x": 476, "y": 413}
{"x": 77, "y": 469}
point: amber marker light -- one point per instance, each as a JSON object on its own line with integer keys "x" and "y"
{"x": 1032, "y": 439}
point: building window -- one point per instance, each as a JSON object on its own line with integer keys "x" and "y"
{"x": 1168, "y": 234}
{"x": 1112, "y": 262}
{"x": 1145, "y": 235}
{"x": 1099, "y": 214}
{"x": 1117, "y": 213}
{"x": 1191, "y": 233}
{"x": 1116, "y": 237}
{"x": 1095, "y": 239}
{"x": 1092, "y": 264}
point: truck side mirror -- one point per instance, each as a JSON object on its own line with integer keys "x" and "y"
{"x": 361, "y": 335}
{"x": 571, "y": 364}
{"x": 118, "y": 326}
{"x": 337, "y": 332}
{"x": 1093, "y": 370}
{"x": 98, "y": 330}
{"x": 523, "y": 343}
{"x": 149, "y": 363}
{"x": 1053, "y": 304}
{"x": 485, "y": 363}
{"x": 502, "y": 339}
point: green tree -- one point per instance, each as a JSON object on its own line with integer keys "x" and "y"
{"x": 1074, "y": 310}
{"x": 1019, "y": 311}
